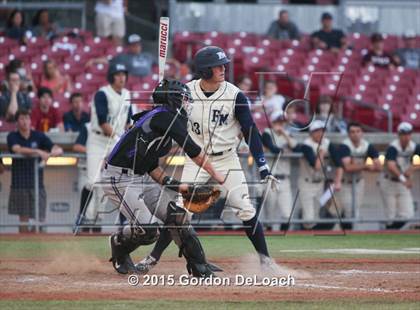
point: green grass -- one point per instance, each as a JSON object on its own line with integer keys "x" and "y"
{"x": 207, "y": 305}
{"x": 223, "y": 246}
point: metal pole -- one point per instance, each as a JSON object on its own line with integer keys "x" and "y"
{"x": 84, "y": 17}
{"x": 231, "y": 69}
{"x": 389, "y": 121}
{"x": 36, "y": 193}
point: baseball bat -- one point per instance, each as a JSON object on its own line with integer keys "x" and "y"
{"x": 163, "y": 45}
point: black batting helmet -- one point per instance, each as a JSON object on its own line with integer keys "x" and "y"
{"x": 172, "y": 93}
{"x": 208, "y": 57}
{"x": 115, "y": 68}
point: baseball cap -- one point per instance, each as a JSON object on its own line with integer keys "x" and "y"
{"x": 134, "y": 38}
{"x": 277, "y": 116}
{"x": 405, "y": 127}
{"x": 316, "y": 125}
{"x": 326, "y": 15}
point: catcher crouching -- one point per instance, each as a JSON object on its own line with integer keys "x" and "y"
{"x": 133, "y": 181}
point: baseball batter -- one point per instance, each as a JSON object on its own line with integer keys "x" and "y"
{"x": 397, "y": 177}
{"x": 110, "y": 114}
{"x": 132, "y": 180}
{"x": 220, "y": 113}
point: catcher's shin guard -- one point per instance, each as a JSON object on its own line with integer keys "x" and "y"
{"x": 126, "y": 241}
{"x": 188, "y": 243}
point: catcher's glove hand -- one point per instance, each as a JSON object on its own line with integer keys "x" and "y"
{"x": 199, "y": 198}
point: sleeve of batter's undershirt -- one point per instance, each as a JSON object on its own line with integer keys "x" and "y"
{"x": 130, "y": 114}
{"x": 249, "y": 129}
{"x": 177, "y": 131}
{"x": 101, "y": 106}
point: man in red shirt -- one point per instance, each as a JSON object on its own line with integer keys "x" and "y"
{"x": 45, "y": 117}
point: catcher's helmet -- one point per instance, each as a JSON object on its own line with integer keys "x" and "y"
{"x": 172, "y": 93}
{"x": 208, "y": 57}
{"x": 115, "y": 68}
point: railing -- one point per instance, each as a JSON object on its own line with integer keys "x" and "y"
{"x": 62, "y": 187}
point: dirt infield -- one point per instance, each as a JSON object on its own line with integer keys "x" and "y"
{"x": 78, "y": 276}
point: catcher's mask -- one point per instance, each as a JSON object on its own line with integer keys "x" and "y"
{"x": 175, "y": 94}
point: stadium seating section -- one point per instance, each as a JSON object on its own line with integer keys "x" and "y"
{"x": 341, "y": 75}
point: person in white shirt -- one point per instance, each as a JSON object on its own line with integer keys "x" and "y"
{"x": 110, "y": 21}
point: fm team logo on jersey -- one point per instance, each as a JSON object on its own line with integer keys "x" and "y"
{"x": 219, "y": 117}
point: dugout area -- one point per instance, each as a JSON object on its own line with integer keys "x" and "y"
{"x": 354, "y": 271}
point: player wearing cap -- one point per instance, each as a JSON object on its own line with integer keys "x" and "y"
{"x": 397, "y": 177}
{"x": 312, "y": 170}
{"x": 278, "y": 204}
{"x": 353, "y": 153}
{"x": 110, "y": 115}
{"x": 219, "y": 114}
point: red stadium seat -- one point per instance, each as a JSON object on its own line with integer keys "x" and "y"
{"x": 6, "y": 45}
{"x": 6, "y": 126}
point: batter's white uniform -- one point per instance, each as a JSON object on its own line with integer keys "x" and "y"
{"x": 278, "y": 203}
{"x": 398, "y": 199}
{"x": 98, "y": 145}
{"x": 358, "y": 156}
{"x": 311, "y": 182}
{"x": 214, "y": 127}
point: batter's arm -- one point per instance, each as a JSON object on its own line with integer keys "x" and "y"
{"x": 251, "y": 133}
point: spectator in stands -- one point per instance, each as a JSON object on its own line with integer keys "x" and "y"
{"x": 76, "y": 118}
{"x": 110, "y": 19}
{"x": 54, "y": 80}
{"x": 328, "y": 38}
{"x": 326, "y": 112}
{"x": 15, "y": 26}
{"x": 43, "y": 26}
{"x": 26, "y": 82}
{"x": 12, "y": 98}
{"x": 283, "y": 28}
{"x": 28, "y": 142}
{"x": 271, "y": 100}
{"x": 409, "y": 56}
{"x": 294, "y": 118}
{"x": 138, "y": 63}
{"x": 245, "y": 83}
{"x": 398, "y": 177}
{"x": 376, "y": 55}
{"x": 44, "y": 116}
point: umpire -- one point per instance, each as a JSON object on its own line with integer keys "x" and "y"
{"x": 132, "y": 180}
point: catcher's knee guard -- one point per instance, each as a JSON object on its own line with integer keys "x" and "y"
{"x": 128, "y": 239}
{"x": 188, "y": 243}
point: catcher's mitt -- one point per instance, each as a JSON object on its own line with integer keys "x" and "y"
{"x": 200, "y": 197}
